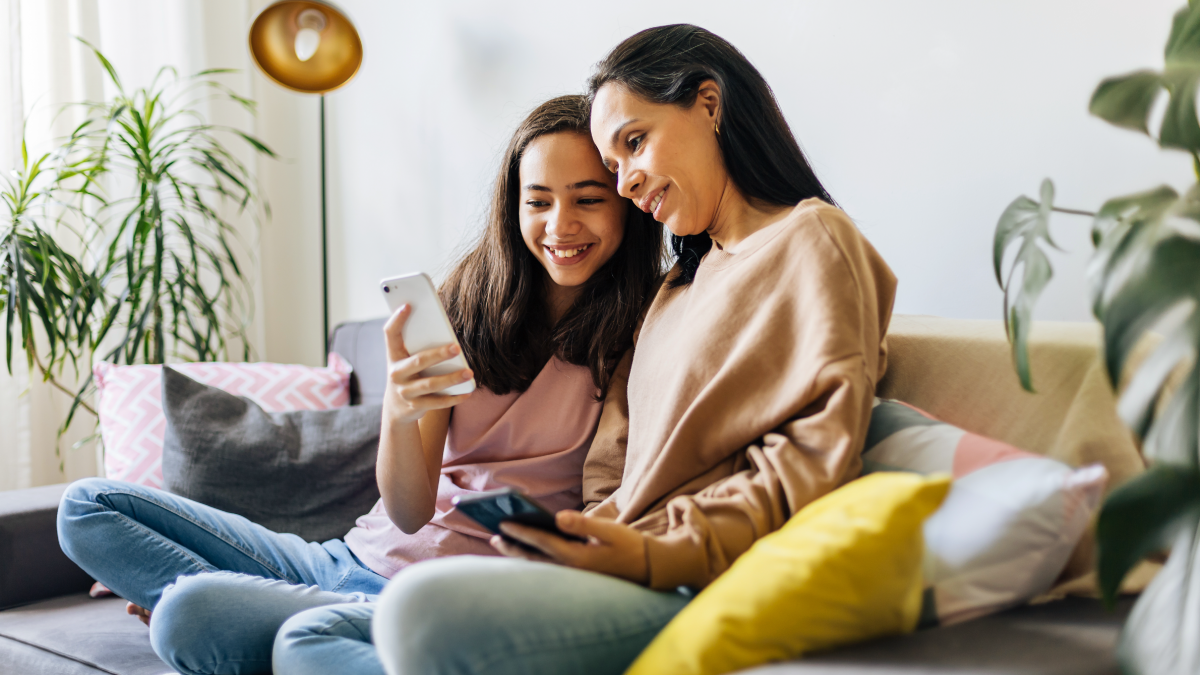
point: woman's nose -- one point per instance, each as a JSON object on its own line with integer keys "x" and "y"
{"x": 628, "y": 183}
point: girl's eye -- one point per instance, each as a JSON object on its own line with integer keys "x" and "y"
{"x": 635, "y": 143}
{"x": 537, "y": 204}
{"x": 591, "y": 200}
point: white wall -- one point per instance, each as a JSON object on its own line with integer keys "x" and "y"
{"x": 923, "y": 118}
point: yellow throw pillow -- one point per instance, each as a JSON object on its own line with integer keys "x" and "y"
{"x": 846, "y": 568}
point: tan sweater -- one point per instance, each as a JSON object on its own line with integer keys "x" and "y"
{"x": 748, "y": 395}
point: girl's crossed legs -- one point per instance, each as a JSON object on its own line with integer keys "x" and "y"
{"x": 219, "y": 585}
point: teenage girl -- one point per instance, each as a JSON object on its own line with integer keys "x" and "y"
{"x": 544, "y": 306}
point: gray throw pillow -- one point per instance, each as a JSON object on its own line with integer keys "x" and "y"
{"x": 309, "y": 472}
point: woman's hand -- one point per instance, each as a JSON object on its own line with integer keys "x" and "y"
{"x": 410, "y": 396}
{"x": 612, "y": 548}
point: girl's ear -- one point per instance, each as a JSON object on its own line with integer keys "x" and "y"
{"x": 709, "y": 98}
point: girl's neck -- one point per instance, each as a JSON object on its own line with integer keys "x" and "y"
{"x": 559, "y": 299}
{"x": 737, "y": 218}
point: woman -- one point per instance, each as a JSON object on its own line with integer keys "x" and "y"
{"x": 748, "y": 396}
{"x": 544, "y": 307}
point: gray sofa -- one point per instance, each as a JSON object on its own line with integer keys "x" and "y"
{"x": 50, "y": 625}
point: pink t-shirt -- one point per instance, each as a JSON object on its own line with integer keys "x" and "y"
{"x": 535, "y": 441}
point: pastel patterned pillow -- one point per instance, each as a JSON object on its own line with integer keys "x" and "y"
{"x": 1009, "y": 524}
{"x": 132, "y": 423}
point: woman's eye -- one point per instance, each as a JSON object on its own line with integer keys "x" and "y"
{"x": 635, "y": 143}
{"x": 591, "y": 200}
{"x": 537, "y": 204}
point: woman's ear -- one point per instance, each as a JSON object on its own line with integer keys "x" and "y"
{"x": 709, "y": 97}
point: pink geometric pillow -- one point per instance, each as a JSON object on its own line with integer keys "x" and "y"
{"x": 131, "y": 414}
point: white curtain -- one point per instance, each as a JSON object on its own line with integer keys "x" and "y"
{"x": 43, "y": 67}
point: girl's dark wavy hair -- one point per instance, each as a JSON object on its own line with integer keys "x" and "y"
{"x": 668, "y": 64}
{"x": 496, "y": 294}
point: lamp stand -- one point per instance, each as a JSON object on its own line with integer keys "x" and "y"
{"x": 324, "y": 242}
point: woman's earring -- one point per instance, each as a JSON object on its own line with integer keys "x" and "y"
{"x": 717, "y": 128}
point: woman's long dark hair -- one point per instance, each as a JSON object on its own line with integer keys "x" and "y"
{"x": 668, "y": 64}
{"x": 496, "y": 294}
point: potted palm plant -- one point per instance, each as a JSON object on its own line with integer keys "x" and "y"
{"x": 120, "y": 244}
{"x": 1144, "y": 279}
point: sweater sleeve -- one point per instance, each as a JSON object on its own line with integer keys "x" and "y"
{"x": 605, "y": 462}
{"x": 808, "y": 456}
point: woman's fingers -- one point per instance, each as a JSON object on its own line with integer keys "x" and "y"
{"x": 508, "y": 548}
{"x": 555, "y": 547}
{"x": 393, "y": 334}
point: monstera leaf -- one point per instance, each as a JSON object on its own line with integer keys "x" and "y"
{"x": 1142, "y": 517}
{"x": 1160, "y": 636}
{"x": 1027, "y": 223}
{"x": 1126, "y": 100}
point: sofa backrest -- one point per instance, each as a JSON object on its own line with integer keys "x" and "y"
{"x": 958, "y": 370}
{"x": 961, "y": 371}
{"x": 361, "y": 343}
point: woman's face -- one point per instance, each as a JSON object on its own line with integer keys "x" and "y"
{"x": 666, "y": 157}
{"x": 571, "y": 217}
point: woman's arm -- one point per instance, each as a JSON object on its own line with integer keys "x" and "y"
{"x": 413, "y": 433}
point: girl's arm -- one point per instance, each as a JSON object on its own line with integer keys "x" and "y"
{"x": 413, "y": 434}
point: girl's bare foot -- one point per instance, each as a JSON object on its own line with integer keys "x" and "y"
{"x": 141, "y": 613}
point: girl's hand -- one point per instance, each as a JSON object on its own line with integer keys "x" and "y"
{"x": 410, "y": 396}
{"x": 613, "y": 548}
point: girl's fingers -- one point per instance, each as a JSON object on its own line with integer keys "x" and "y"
{"x": 436, "y": 402}
{"x": 393, "y": 335}
{"x": 426, "y": 386}
{"x": 409, "y": 367}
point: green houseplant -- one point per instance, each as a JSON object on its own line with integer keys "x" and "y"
{"x": 121, "y": 244}
{"x": 1144, "y": 278}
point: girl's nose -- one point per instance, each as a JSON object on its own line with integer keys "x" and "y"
{"x": 562, "y": 222}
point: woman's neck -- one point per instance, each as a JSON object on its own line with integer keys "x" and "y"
{"x": 737, "y": 218}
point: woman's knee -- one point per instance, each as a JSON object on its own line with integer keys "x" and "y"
{"x": 430, "y": 611}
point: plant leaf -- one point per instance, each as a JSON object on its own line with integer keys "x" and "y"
{"x": 1141, "y": 517}
{"x": 1126, "y": 100}
{"x": 1026, "y": 223}
{"x": 1160, "y": 635}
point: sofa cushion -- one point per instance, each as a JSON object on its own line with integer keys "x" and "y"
{"x": 131, "y": 414}
{"x": 308, "y": 472}
{"x": 1010, "y": 523}
{"x": 76, "y": 635}
{"x": 1075, "y": 636}
{"x": 844, "y": 569}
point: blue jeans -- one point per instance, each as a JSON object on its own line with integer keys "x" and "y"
{"x": 220, "y": 586}
{"x": 473, "y": 615}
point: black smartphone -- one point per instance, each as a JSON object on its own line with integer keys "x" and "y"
{"x": 489, "y": 509}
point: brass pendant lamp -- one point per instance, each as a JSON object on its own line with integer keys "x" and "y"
{"x": 309, "y": 47}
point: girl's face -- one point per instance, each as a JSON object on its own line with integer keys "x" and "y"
{"x": 666, "y": 158}
{"x": 571, "y": 216}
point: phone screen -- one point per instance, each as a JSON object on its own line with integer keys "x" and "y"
{"x": 491, "y": 509}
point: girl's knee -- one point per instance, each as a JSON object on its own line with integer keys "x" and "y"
{"x": 79, "y": 499}
{"x": 191, "y": 623}
{"x": 331, "y": 639}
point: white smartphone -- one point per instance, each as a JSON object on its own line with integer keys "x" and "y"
{"x": 428, "y": 326}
